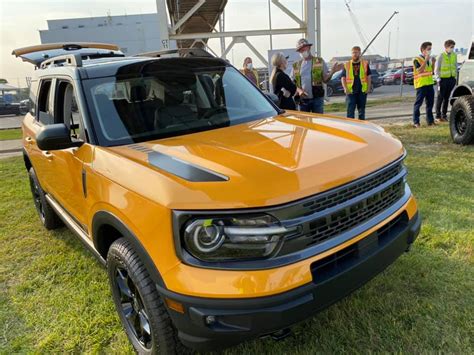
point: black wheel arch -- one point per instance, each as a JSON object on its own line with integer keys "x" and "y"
{"x": 107, "y": 228}
{"x": 458, "y": 91}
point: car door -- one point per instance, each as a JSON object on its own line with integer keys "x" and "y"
{"x": 67, "y": 167}
{"x": 40, "y": 114}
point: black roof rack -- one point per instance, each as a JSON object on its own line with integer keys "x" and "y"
{"x": 74, "y": 60}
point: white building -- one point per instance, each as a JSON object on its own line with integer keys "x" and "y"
{"x": 132, "y": 33}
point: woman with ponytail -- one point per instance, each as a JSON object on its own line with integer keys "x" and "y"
{"x": 282, "y": 85}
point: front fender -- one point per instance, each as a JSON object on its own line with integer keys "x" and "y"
{"x": 458, "y": 91}
{"x": 102, "y": 218}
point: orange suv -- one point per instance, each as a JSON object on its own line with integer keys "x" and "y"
{"x": 219, "y": 217}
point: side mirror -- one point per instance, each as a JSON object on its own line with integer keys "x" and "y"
{"x": 55, "y": 137}
{"x": 273, "y": 97}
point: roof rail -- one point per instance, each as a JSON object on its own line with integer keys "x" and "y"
{"x": 74, "y": 60}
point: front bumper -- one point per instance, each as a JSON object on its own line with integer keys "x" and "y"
{"x": 232, "y": 321}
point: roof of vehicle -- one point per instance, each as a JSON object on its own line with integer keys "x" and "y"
{"x": 105, "y": 67}
{"x": 99, "y": 59}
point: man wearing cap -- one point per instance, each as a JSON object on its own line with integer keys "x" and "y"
{"x": 309, "y": 75}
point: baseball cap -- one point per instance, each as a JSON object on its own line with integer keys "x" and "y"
{"x": 303, "y": 42}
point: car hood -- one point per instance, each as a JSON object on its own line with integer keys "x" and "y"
{"x": 261, "y": 163}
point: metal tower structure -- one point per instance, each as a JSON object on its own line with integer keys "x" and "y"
{"x": 193, "y": 22}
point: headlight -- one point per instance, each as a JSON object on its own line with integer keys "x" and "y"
{"x": 230, "y": 238}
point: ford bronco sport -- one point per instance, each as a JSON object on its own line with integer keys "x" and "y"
{"x": 219, "y": 217}
{"x": 461, "y": 119}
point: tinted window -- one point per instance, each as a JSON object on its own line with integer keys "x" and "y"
{"x": 44, "y": 112}
{"x": 172, "y": 97}
{"x": 471, "y": 53}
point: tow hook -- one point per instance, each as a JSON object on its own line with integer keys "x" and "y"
{"x": 281, "y": 334}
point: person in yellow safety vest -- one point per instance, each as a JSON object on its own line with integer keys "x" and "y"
{"x": 446, "y": 72}
{"x": 249, "y": 71}
{"x": 423, "y": 81}
{"x": 356, "y": 81}
{"x": 309, "y": 75}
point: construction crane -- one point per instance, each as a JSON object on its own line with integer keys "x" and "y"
{"x": 358, "y": 28}
{"x": 355, "y": 22}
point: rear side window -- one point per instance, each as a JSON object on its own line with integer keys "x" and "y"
{"x": 44, "y": 111}
{"x": 471, "y": 53}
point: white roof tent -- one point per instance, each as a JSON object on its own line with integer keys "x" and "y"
{"x": 41, "y": 55}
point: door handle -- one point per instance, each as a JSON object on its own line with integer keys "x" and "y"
{"x": 47, "y": 154}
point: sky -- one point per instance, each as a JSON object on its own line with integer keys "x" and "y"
{"x": 417, "y": 21}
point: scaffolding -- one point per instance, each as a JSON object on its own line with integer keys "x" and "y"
{"x": 191, "y": 23}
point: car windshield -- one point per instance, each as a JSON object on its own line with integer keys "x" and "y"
{"x": 170, "y": 97}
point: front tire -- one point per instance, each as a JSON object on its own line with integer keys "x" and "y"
{"x": 47, "y": 215}
{"x": 141, "y": 310}
{"x": 461, "y": 121}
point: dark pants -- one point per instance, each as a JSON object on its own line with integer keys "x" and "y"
{"x": 356, "y": 100}
{"x": 446, "y": 85}
{"x": 425, "y": 93}
{"x": 315, "y": 105}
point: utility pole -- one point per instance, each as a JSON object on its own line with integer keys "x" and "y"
{"x": 389, "y": 37}
{"x": 270, "y": 23}
{"x": 318, "y": 27}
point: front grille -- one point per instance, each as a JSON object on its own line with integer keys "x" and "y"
{"x": 346, "y": 193}
{"x": 336, "y": 221}
{"x": 342, "y": 220}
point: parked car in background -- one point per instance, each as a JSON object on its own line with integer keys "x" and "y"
{"x": 24, "y": 106}
{"x": 409, "y": 76}
{"x": 9, "y": 108}
{"x": 387, "y": 74}
{"x": 376, "y": 79}
{"x": 334, "y": 86}
{"x": 397, "y": 77}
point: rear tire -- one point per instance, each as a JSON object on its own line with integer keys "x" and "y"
{"x": 461, "y": 120}
{"x": 141, "y": 310}
{"x": 47, "y": 215}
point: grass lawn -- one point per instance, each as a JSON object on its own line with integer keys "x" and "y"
{"x": 7, "y": 134}
{"x": 341, "y": 106}
{"x": 54, "y": 296}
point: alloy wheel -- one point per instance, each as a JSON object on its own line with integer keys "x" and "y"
{"x": 460, "y": 122}
{"x": 132, "y": 308}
